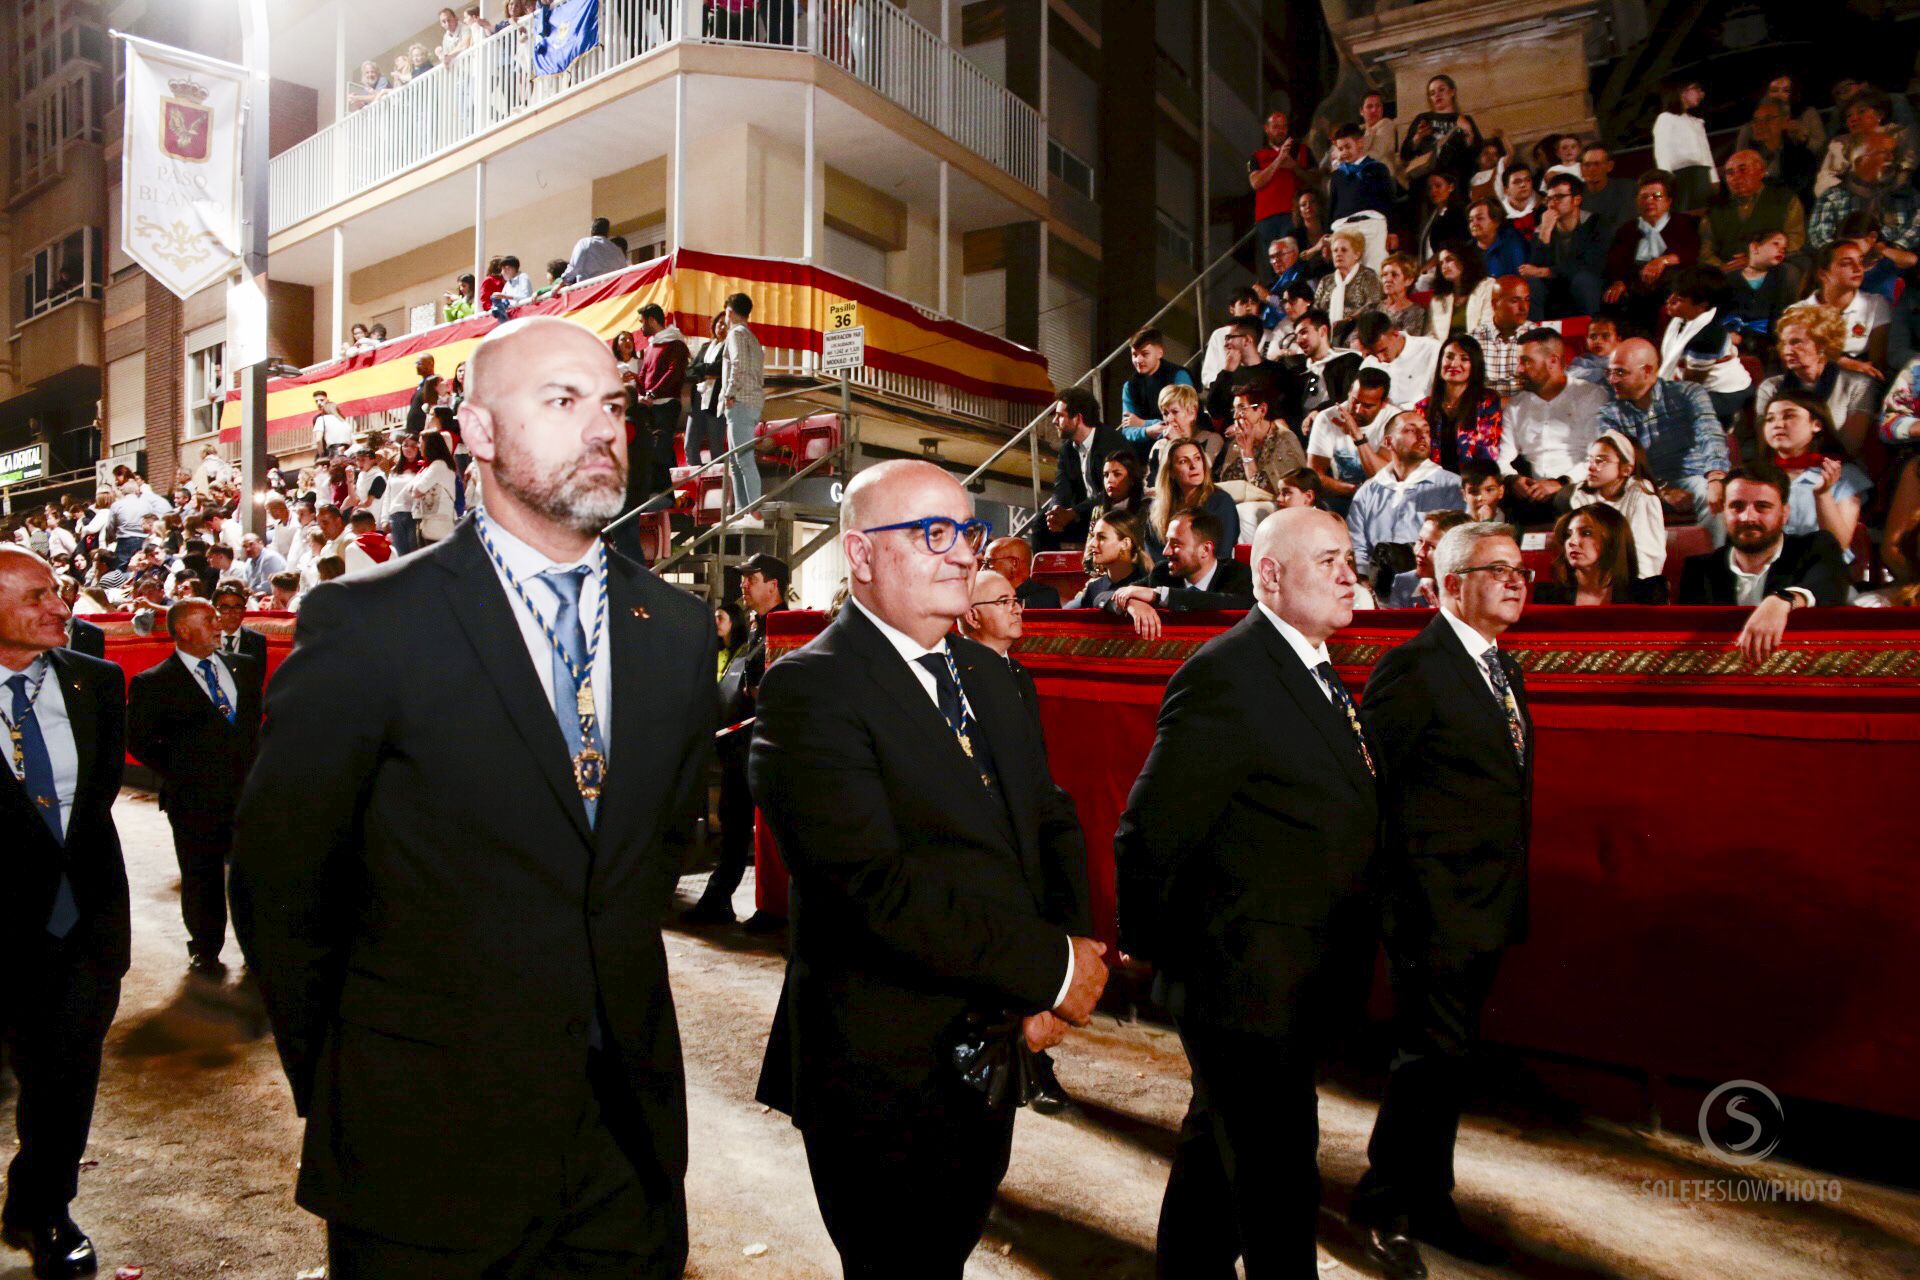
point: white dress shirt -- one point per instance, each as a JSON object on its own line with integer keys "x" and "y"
{"x": 1477, "y": 646}
{"x": 1412, "y": 374}
{"x": 1192, "y": 584}
{"x": 56, "y": 730}
{"x": 1554, "y": 435}
{"x": 1751, "y": 588}
{"x": 911, "y": 651}
{"x": 1309, "y": 653}
{"x": 227, "y": 686}
{"x": 528, "y": 564}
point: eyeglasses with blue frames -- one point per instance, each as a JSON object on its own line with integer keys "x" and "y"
{"x": 941, "y": 532}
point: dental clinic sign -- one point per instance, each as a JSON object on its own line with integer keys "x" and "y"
{"x": 180, "y": 180}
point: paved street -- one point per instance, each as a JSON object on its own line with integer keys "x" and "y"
{"x": 195, "y": 1145}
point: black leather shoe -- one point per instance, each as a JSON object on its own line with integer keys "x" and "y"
{"x": 761, "y": 922}
{"x": 1389, "y": 1247}
{"x": 207, "y": 968}
{"x": 59, "y": 1250}
{"x": 1446, "y": 1232}
{"x": 1049, "y": 1099}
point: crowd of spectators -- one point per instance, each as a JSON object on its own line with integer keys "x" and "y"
{"x": 1452, "y": 326}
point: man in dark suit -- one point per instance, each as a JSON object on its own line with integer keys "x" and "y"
{"x": 1077, "y": 488}
{"x": 230, "y": 610}
{"x": 194, "y": 718}
{"x": 1189, "y": 578}
{"x": 1448, "y": 711}
{"x": 1242, "y": 865}
{"x": 82, "y": 636}
{"x": 1761, "y": 566}
{"x": 1012, "y": 559}
{"x": 450, "y": 887}
{"x": 64, "y": 938}
{"x": 939, "y": 887}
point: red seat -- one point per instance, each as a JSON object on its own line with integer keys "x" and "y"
{"x": 1243, "y": 552}
{"x": 1540, "y": 561}
{"x": 1064, "y": 571}
{"x": 1683, "y": 540}
{"x": 709, "y": 495}
{"x": 655, "y": 531}
{"x": 794, "y": 442}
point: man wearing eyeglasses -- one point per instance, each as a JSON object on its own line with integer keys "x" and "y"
{"x": 1448, "y": 711}
{"x": 939, "y": 899}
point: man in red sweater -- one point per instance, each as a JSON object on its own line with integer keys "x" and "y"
{"x": 656, "y": 416}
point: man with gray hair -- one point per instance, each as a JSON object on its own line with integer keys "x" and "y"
{"x": 1448, "y": 711}
{"x": 1243, "y": 860}
{"x": 449, "y": 888}
{"x": 939, "y": 922}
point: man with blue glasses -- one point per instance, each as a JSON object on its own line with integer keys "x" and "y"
{"x": 939, "y": 889}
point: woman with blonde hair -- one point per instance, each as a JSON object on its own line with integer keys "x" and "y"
{"x": 1811, "y": 339}
{"x": 1351, "y": 287}
{"x": 1186, "y": 483}
{"x": 1181, "y": 419}
{"x": 1397, "y": 275}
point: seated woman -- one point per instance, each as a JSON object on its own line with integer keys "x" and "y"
{"x": 1595, "y": 563}
{"x": 1186, "y": 484}
{"x": 1617, "y": 477}
{"x": 1351, "y": 287}
{"x": 1117, "y": 556}
{"x": 1812, "y": 338}
{"x": 1123, "y": 484}
{"x": 1839, "y": 269}
{"x": 1465, "y": 415}
{"x": 1827, "y": 490}
{"x": 1181, "y": 419}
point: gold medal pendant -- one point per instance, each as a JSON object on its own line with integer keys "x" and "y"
{"x": 583, "y": 700}
{"x": 966, "y": 745}
{"x": 589, "y": 772}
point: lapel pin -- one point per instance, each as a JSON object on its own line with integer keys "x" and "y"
{"x": 640, "y": 611}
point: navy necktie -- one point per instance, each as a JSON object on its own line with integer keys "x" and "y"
{"x": 565, "y": 585}
{"x": 30, "y": 751}
{"x": 218, "y": 694}
{"x": 1343, "y": 702}
{"x": 935, "y": 665}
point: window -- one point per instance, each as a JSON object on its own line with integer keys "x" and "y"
{"x": 1072, "y": 171}
{"x": 206, "y": 379}
{"x": 1173, "y": 239}
{"x": 49, "y": 35}
{"x": 65, "y": 271}
{"x": 645, "y": 243}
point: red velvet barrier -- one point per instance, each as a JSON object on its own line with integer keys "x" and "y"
{"x": 135, "y": 653}
{"x": 1723, "y": 883}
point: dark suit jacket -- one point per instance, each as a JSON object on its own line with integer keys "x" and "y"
{"x": 1682, "y": 235}
{"x": 1811, "y": 560}
{"x": 95, "y": 694}
{"x": 1037, "y": 595}
{"x": 918, "y": 896}
{"x": 253, "y": 646}
{"x": 174, "y": 729}
{"x": 1069, "y": 484}
{"x": 432, "y": 920}
{"x": 1244, "y": 856}
{"x": 85, "y": 637}
{"x": 1231, "y": 587}
{"x": 1100, "y": 590}
{"x": 1456, "y": 802}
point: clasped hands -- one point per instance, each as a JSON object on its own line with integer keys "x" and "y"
{"x": 1044, "y": 1030}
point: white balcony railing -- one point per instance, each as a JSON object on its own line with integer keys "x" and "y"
{"x": 492, "y": 83}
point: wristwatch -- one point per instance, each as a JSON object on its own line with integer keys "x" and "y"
{"x": 1784, "y": 594}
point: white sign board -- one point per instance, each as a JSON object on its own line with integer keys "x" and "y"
{"x": 180, "y": 158}
{"x": 843, "y": 350}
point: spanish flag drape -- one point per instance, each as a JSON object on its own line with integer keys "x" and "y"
{"x": 790, "y": 301}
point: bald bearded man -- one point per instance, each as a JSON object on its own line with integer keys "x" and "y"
{"x": 450, "y": 889}
{"x": 1243, "y": 863}
{"x": 939, "y": 887}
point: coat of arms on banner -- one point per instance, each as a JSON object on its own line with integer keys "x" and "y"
{"x": 186, "y": 123}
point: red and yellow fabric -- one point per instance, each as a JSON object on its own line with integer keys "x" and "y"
{"x": 790, "y": 306}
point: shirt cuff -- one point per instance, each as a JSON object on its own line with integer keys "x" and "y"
{"x": 1060, "y": 996}
{"x": 1162, "y": 593}
{"x": 1805, "y": 595}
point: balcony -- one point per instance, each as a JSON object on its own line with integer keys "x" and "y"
{"x": 492, "y": 84}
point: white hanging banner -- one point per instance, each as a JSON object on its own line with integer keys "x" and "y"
{"x": 180, "y": 178}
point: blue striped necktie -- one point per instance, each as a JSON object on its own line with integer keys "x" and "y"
{"x": 30, "y": 751}
{"x": 212, "y": 678}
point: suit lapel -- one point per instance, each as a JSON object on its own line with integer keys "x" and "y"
{"x": 478, "y": 602}
{"x": 886, "y": 668}
{"x": 1304, "y": 688}
{"x": 999, "y": 722}
{"x": 1475, "y": 691}
{"x": 637, "y": 661}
